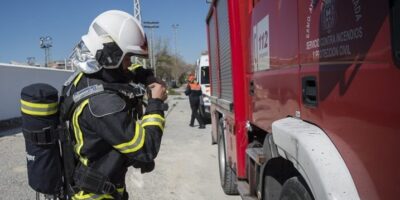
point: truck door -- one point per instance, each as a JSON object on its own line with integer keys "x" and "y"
{"x": 347, "y": 78}
{"x": 274, "y": 86}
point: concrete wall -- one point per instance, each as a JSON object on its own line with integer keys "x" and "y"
{"x": 14, "y": 77}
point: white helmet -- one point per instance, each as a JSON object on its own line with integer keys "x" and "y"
{"x": 112, "y": 35}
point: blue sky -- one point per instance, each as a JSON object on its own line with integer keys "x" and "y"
{"x": 23, "y": 22}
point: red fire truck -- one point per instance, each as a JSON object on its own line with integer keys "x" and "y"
{"x": 304, "y": 98}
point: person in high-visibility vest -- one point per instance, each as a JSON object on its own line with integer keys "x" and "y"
{"x": 193, "y": 90}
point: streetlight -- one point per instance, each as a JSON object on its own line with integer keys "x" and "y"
{"x": 31, "y": 61}
{"x": 175, "y": 27}
{"x": 152, "y": 25}
{"x": 45, "y": 43}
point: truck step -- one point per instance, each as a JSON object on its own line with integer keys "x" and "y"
{"x": 244, "y": 191}
{"x": 256, "y": 154}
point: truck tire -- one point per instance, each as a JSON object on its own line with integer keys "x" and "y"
{"x": 227, "y": 176}
{"x": 272, "y": 188}
{"x": 295, "y": 188}
{"x": 202, "y": 111}
{"x": 206, "y": 117}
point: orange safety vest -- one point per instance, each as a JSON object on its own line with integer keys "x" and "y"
{"x": 194, "y": 86}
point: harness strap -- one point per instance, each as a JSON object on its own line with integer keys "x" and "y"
{"x": 44, "y": 136}
{"x": 92, "y": 181}
{"x": 71, "y": 102}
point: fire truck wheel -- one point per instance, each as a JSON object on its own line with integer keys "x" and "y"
{"x": 202, "y": 111}
{"x": 228, "y": 177}
{"x": 206, "y": 118}
{"x": 295, "y": 188}
{"x": 272, "y": 188}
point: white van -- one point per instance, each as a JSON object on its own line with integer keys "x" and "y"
{"x": 202, "y": 76}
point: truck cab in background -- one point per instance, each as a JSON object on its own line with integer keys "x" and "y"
{"x": 202, "y": 76}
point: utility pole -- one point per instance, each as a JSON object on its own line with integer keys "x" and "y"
{"x": 175, "y": 28}
{"x": 137, "y": 14}
{"x": 45, "y": 43}
{"x": 152, "y": 25}
{"x": 136, "y": 10}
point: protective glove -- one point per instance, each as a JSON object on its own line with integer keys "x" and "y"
{"x": 145, "y": 167}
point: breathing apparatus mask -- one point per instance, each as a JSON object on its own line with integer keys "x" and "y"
{"x": 83, "y": 59}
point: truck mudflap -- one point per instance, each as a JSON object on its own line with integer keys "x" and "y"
{"x": 316, "y": 158}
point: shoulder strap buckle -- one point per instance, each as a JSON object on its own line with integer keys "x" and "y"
{"x": 108, "y": 188}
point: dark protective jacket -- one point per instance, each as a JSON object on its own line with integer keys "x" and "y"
{"x": 108, "y": 139}
{"x": 193, "y": 90}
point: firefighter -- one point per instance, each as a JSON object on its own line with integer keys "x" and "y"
{"x": 193, "y": 90}
{"x": 108, "y": 139}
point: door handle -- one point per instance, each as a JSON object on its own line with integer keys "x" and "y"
{"x": 251, "y": 88}
{"x": 310, "y": 91}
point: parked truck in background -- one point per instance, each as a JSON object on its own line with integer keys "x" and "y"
{"x": 304, "y": 97}
{"x": 202, "y": 76}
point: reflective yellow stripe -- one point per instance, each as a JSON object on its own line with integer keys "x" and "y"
{"x": 134, "y": 66}
{"x": 138, "y": 139}
{"x": 91, "y": 196}
{"x": 77, "y": 79}
{"x": 39, "y": 105}
{"x": 153, "y": 116}
{"x": 121, "y": 190}
{"x": 78, "y": 132}
{"x": 154, "y": 123}
{"x": 135, "y": 144}
{"x": 153, "y": 120}
{"x": 38, "y": 113}
{"x": 39, "y": 109}
{"x": 135, "y": 148}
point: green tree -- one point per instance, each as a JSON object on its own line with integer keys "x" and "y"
{"x": 169, "y": 67}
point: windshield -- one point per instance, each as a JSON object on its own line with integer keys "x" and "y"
{"x": 205, "y": 78}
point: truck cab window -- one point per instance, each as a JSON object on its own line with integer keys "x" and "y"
{"x": 395, "y": 30}
{"x": 205, "y": 78}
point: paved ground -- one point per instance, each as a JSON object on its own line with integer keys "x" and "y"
{"x": 186, "y": 167}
